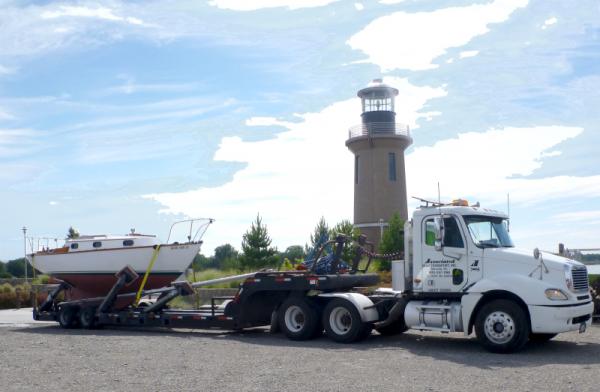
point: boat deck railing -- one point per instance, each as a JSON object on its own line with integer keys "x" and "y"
{"x": 196, "y": 230}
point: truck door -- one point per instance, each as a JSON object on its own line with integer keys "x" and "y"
{"x": 444, "y": 270}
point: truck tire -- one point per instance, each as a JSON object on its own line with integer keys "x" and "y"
{"x": 502, "y": 326}
{"x": 541, "y": 337}
{"x": 67, "y": 317}
{"x": 87, "y": 318}
{"x": 298, "y": 319}
{"x": 343, "y": 323}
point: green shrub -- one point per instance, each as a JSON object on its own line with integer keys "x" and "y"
{"x": 8, "y": 296}
{"x": 41, "y": 279}
{"x": 6, "y": 288}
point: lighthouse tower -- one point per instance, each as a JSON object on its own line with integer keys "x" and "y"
{"x": 378, "y": 145}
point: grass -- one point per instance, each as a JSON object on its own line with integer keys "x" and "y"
{"x": 209, "y": 274}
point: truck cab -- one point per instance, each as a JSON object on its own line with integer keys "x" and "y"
{"x": 462, "y": 271}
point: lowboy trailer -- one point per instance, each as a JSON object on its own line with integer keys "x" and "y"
{"x": 299, "y": 303}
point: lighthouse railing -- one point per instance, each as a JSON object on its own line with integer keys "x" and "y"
{"x": 379, "y": 128}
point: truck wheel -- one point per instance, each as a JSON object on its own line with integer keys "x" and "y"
{"x": 87, "y": 318}
{"x": 67, "y": 317}
{"x": 541, "y": 337}
{"x": 298, "y": 319}
{"x": 342, "y": 322}
{"x": 502, "y": 326}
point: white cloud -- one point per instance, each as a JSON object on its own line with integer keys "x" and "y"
{"x": 6, "y": 70}
{"x": 427, "y": 35}
{"x": 306, "y": 172}
{"x": 491, "y": 164}
{"x": 549, "y": 22}
{"x": 391, "y": 1}
{"x": 266, "y": 122}
{"x": 292, "y": 180}
{"x": 578, "y": 216}
{"x": 359, "y": 6}
{"x": 87, "y": 12}
{"x": 11, "y": 173}
{"x": 4, "y": 115}
{"x": 245, "y": 5}
{"x": 15, "y": 142}
{"x": 468, "y": 53}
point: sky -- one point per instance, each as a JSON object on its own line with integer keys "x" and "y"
{"x": 117, "y": 115}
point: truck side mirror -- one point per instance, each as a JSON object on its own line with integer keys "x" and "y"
{"x": 439, "y": 232}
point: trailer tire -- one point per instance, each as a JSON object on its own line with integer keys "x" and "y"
{"x": 298, "y": 319}
{"x": 342, "y": 322}
{"x": 67, "y": 317}
{"x": 502, "y": 326}
{"x": 541, "y": 337}
{"x": 87, "y": 318}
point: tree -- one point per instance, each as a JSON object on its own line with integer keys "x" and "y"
{"x": 392, "y": 241}
{"x": 347, "y": 228}
{"x": 3, "y": 273}
{"x": 201, "y": 262}
{"x": 16, "y": 268}
{"x": 256, "y": 247}
{"x": 72, "y": 233}
{"x": 319, "y": 236}
{"x": 294, "y": 253}
{"x": 226, "y": 257}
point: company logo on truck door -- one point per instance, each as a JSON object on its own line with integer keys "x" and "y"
{"x": 440, "y": 268}
{"x": 475, "y": 265}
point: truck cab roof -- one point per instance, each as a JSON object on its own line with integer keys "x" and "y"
{"x": 459, "y": 210}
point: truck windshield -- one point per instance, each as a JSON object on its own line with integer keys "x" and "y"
{"x": 488, "y": 231}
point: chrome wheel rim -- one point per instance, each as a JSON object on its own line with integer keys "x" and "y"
{"x": 499, "y": 327}
{"x": 340, "y": 320}
{"x": 294, "y": 318}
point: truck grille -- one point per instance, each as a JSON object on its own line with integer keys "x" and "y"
{"x": 580, "y": 278}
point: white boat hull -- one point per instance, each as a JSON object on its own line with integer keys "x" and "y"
{"x": 92, "y": 273}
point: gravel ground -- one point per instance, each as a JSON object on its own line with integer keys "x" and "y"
{"x": 45, "y": 357}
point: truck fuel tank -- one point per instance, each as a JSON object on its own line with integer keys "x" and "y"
{"x": 434, "y": 316}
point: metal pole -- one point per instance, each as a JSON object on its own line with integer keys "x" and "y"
{"x": 25, "y": 249}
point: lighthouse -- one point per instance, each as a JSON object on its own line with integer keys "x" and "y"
{"x": 378, "y": 145}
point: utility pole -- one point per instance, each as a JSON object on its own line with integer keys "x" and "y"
{"x": 25, "y": 249}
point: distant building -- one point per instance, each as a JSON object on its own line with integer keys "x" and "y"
{"x": 378, "y": 145}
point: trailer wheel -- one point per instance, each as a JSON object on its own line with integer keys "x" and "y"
{"x": 502, "y": 326}
{"x": 67, "y": 317}
{"x": 298, "y": 319}
{"x": 343, "y": 323}
{"x": 541, "y": 337}
{"x": 87, "y": 317}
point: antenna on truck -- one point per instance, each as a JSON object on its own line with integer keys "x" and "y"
{"x": 508, "y": 212}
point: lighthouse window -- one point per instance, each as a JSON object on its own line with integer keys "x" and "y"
{"x": 356, "y": 169}
{"x": 378, "y": 104}
{"x": 392, "y": 166}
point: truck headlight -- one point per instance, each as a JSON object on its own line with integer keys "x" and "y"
{"x": 555, "y": 295}
{"x": 569, "y": 277}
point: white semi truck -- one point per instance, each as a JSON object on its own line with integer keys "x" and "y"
{"x": 460, "y": 273}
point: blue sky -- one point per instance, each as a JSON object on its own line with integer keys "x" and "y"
{"x": 116, "y": 115}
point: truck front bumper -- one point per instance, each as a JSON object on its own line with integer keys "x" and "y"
{"x": 556, "y": 319}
